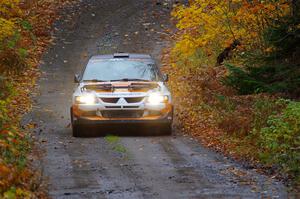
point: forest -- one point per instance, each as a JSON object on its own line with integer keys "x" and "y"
{"x": 236, "y": 77}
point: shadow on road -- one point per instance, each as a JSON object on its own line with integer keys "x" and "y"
{"x": 124, "y": 131}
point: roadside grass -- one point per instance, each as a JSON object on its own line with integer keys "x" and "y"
{"x": 120, "y": 148}
{"x": 115, "y": 142}
{"x": 112, "y": 139}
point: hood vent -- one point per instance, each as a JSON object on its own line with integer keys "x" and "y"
{"x": 111, "y": 87}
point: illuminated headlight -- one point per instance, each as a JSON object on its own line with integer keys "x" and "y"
{"x": 156, "y": 99}
{"x": 86, "y": 99}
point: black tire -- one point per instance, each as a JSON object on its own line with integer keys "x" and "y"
{"x": 165, "y": 129}
{"x": 77, "y": 130}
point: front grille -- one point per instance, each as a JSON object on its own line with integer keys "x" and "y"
{"x": 113, "y": 107}
{"x": 131, "y": 107}
{"x": 134, "y": 99}
{"x": 122, "y": 113}
{"x": 110, "y": 99}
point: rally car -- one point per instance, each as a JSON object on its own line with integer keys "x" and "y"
{"x": 119, "y": 90}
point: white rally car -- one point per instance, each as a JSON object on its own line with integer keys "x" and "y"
{"x": 121, "y": 89}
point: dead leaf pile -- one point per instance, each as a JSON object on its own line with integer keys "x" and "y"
{"x": 17, "y": 178}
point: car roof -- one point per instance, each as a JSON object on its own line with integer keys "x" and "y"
{"x": 122, "y": 56}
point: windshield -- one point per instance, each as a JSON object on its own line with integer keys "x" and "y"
{"x": 123, "y": 70}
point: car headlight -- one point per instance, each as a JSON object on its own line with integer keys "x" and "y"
{"x": 86, "y": 99}
{"x": 155, "y": 98}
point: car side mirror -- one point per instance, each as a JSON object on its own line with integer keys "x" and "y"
{"x": 165, "y": 77}
{"x": 76, "y": 78}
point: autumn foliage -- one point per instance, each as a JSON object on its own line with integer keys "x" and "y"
{"x": 213, "y": 25}
{"x": 232, "y": 63}
{"x": 24, "y": 33}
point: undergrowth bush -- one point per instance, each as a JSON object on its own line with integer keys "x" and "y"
{"x": 280, "y": 140}
{"x": 6, "y": 92}
{"x": 268, "y": 78}
{"x": 25, "y": 27}
{"x": 263, "y": 108}
{"x": 15, "y": 36}
{"x": 15, "y": 39}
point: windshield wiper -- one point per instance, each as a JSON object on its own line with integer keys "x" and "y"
{"x": 128, "y": 80}
{"x": 94, "y": 80}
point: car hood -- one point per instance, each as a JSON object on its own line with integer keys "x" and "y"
{"x": 100, "y": 88}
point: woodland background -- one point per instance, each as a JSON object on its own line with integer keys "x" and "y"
{"x": 235, "y": 74}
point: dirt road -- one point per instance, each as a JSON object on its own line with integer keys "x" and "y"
{"x": 124, "y": 167}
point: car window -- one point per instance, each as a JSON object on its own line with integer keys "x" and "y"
{"x": 107, "y": 70}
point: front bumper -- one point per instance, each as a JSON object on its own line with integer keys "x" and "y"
{"x": 89, "y": 121}
{"x": 166, "y": 118}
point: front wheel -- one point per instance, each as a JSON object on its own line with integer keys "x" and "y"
{"x": 77, "y": 130}
{"x": 165, "y": 129}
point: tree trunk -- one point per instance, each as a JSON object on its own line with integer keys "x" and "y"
{"x": 226, "y": 53}
{"x": 296, "y": 8}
